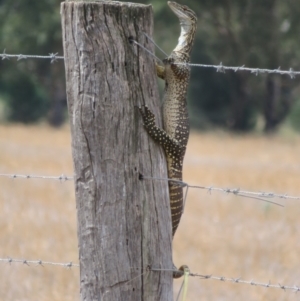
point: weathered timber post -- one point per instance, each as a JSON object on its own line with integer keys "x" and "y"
{"x": 123, "y": 222}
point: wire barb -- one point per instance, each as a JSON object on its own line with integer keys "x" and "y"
{"x": 220, "y": 68}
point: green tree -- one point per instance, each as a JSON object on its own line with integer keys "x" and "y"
{"x": 251, "y": 33}
{"x": 254, "y": 33}
{"x": 32, "y": 88}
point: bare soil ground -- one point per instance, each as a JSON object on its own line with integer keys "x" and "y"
{"x": 220, "y": 234}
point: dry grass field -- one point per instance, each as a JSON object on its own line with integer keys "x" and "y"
{"x": 220, "y": 234}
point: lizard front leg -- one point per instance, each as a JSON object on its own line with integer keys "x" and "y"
{"x": 160, "y": 71}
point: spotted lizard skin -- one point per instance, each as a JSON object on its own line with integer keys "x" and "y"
{"x": 175, "y": 133}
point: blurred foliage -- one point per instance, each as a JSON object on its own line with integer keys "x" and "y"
{"x": 26, "y": 103}
{"x": 31, "y": 89}
{"x": 254, "y": 33}
{"x": 294, "y": 119}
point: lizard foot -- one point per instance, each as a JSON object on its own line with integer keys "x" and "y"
{"x": 148, "y": 116}
{"x": 179, "y": 272}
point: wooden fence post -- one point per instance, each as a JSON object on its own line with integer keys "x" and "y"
{"x": 124, "y": 223}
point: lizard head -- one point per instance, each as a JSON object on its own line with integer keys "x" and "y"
{"x": 188, "y": 23}
{"x": 185, "y": 15}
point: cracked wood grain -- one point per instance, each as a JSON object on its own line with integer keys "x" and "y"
{"x": 123, "y": 222}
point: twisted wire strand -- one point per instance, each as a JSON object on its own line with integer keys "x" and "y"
{"x": 219, "y": 68}
{"x": 52, "y": 56}
{"x": 38, "y": 262}
{"x": 62, "y": 177}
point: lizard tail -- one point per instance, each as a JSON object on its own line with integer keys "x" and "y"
{"x": 176, "y": 203}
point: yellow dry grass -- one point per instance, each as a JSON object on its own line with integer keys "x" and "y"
{"x": 219, "y": 234}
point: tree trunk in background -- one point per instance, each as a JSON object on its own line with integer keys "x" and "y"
{"x": 124, "y": 223}
{"x": 278, "y": 101}
{"x": 240, "y": 102}
{"x": 57, "y": 112}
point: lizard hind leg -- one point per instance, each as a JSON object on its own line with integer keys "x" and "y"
{"x": 156, "y": 133}
{"x": 179, "y": 272}
{"x": 148, "y": 118}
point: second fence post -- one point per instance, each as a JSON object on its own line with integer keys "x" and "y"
{"x": 124, "y": 223}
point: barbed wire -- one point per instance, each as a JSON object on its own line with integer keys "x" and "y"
{"x": 52, "y": 56}
{"x": 221, "y": 68}
{"x": 38, "y": 262}
{"x": 239, "y": 280}
{"x": 256, "y": 71}
{"x": 235, "y": 191}
{"x": 264, "y": 196}
{"x": 16, "y": 176}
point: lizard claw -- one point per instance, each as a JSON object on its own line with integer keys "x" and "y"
{"x": 147, "y": 115}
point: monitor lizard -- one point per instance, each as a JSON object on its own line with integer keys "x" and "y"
{"x": 174, "y": 136}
